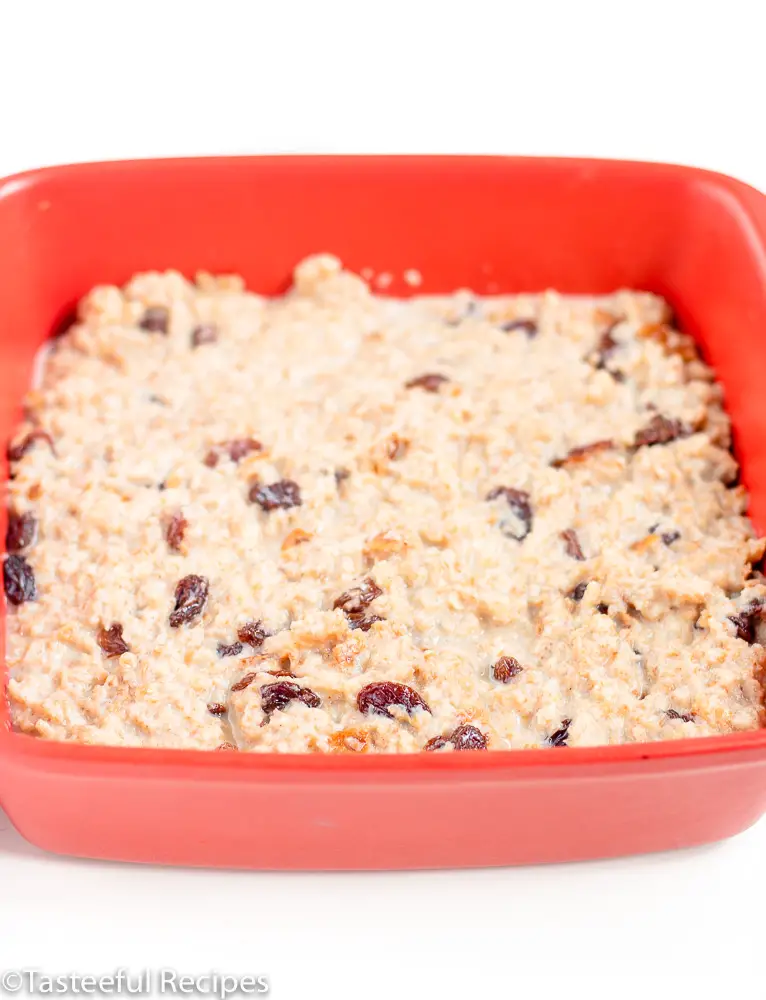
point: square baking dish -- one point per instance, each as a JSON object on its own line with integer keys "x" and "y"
{"x": 491, "y": 224}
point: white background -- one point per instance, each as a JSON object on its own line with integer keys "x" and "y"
{"x": 668, "y": 81}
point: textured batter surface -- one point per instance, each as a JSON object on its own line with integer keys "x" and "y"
{"x": 338, "y": 522}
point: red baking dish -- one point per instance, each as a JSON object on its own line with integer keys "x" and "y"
{"x": 492, "y": 224}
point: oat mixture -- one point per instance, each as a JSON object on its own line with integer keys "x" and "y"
{"x": 335, "y": 521}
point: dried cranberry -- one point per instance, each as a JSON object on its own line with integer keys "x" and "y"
{"x": 506, "y": 668}
{"x": 205, "y": 333}
{"x": 244, "y": 681}
{"x": 430, "y": 383}
{"x": 529, "y": 326}
{"x": 519, "y": 502}
{"x": 236, "y": 449}
{"x": 216, "y": 708}
{"x": 577, "y": 455}
{"x": 560, "y": 737}
{"x": 22, "y": 531}
{"x": 579, "y": 592}
{"x": 19, "y": 580}
{"x": 660, "y": 430}
{"x": 111, "y": 641}
{"x": 155, "y": 320}
{"x": 381, "y": 695}
{"x": 252, "y": 634}
{"x": 191, "y": 597}
{"x": 669, "y": 537}
{"x": 232, "y": 649}
{"x": 283, "y": 494}
{"x": 276, "y": 696}
{"x": 683, "y": 716}
{"x": 176, "y": 531}
{"x": 572, "y": 544}
{"x": 17, "y": 451}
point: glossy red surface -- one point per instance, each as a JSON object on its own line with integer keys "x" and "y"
{"x": 491, "y": 224}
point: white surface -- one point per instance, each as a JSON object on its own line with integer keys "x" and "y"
{"x": 669, "y": 81}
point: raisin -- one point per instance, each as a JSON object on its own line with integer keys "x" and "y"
{"x": 560, "y": 737}
{"x": 572, "y": 544}
{"x": 244, "y": 681}
{"x": 465, "y": 737}
{"x": 236, "y": 449}
{"x": 430, "y": 383}
{"x": 364, "y": 622}
{"x": 283, "y": 494}
{"x": 518, "y": 501}
{"x": 232, "y": 649}
{"x": 275, "y": 697}
{"x": 381, "y": 695}
{"x": 111, "y": 641}
{"x": 607, "y": 345}
{"x": 527, "y": 325}
{"x": 744, "y": 621}
{"x": 575, "y": 456}
{"x": 226, "y": 746}
{"x": 191, "y": 597}
{"x": 155, "y": 320}
{"x": 506, "y": 668}
{"x": 579, "y": 592}
{"x": 468, "y": 738}
{"x": 354, "y": 603}
{"x": 22, "y": 531}
{"x": 683, "y": 716}
{"x": 205, "y": 333}
{"x": 19, "y": 580}
{"x": 357, "y": 599}
{"x": 603, "y": 609}
{"x": 252, "y": 634}
{"x": 216, "y": 708}
{"x": 175, "y": 531}
{"x": 17, "y": 451}
{"x": 660, "y": 430}
{"x": 669, "y": 537}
